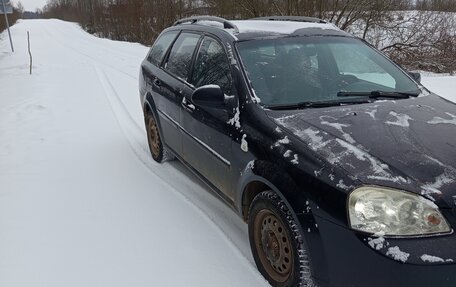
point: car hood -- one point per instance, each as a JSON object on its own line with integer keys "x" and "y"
{"x": 407, "y": 144}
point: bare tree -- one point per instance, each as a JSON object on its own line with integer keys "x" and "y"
{"x": 423, "y": 40}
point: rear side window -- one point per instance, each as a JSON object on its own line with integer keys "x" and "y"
{"x": 180, "y": 58}
{"x": 212, "y": 66}
{"x": 160, "y": 47}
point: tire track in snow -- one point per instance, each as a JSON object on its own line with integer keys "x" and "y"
{"x": 136, "y": 139}
{"x": 93, "y": 40}
{"x": 94, "y": 60}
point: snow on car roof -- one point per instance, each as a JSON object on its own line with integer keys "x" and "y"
{"x": 281, "y": 27}
{"x": 265, "y": 26}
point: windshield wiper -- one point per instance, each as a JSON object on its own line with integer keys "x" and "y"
{"x": 378, "y": 94}
{"x": 319, "y": 104}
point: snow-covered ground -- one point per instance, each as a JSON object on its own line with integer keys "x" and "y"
{"x": 81, "y": 201}
{"x": 443, "y": 85}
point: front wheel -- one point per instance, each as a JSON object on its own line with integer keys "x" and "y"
{"x": 277, "y": 243}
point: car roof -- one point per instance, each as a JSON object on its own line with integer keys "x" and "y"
{"x": 264, "y": 27}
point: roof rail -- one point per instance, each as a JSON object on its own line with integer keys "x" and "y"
{"x": 226, "y": 24}
{"x": 291, "y": 18}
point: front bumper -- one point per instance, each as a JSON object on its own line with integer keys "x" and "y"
{"x": 342, "y": 258}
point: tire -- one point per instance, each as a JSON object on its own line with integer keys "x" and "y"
{"x": 158, "y": 151}
{"x": 277, "y": 243}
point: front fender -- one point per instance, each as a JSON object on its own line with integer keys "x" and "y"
{"x": 276, "y": 179}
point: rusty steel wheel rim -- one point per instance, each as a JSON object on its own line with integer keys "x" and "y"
{"x": 154, "y": 139}
{"x": 273, "y": 245}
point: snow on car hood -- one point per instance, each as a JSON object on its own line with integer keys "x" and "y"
{"x": 406, "y": 144}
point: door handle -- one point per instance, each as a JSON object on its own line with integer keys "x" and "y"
{"x": 157, "y": 82}
{"x": 187, "y": 105}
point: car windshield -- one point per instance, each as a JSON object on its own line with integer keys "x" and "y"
{"x": 292, "y": 70}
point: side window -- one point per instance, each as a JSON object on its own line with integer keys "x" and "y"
{"x": 160, "y": 47}
{"x": 212, "y": 66}
{"x": 180, "y": 58}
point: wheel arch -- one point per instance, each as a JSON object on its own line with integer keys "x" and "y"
{"x": 149, "y": 107}
{"x": 261, "y": 176}
{"x": 149, "y": 104}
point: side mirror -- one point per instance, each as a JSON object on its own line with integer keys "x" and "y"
{"x": 210, "y": 96}
{"x": 416, "y": 76}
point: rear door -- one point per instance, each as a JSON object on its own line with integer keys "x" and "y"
{"x": 154, "y": 76}
{"x": 206, "y": 138}
{"x": 169, "y": 84}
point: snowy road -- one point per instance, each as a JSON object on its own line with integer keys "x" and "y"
{"x": 81, "y": 201}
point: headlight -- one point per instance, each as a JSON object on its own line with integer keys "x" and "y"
{"x": 392, "y": 212}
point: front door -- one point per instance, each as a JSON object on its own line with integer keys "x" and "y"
{"x": 207, "y": 131}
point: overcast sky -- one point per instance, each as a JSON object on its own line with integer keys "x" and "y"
{"x": 30, "y": 5}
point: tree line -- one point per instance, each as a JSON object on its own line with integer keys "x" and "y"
{"x": 436, "y": 5}
{"x": 423, "y": 39}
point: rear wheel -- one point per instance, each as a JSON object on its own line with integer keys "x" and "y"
{"x": 158, "y": 151}
{"x": 277, "y": 243}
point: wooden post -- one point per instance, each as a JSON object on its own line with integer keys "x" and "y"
{"x": 30, "y": 53}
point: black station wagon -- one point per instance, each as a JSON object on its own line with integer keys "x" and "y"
{"x": 341, "y": 163}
